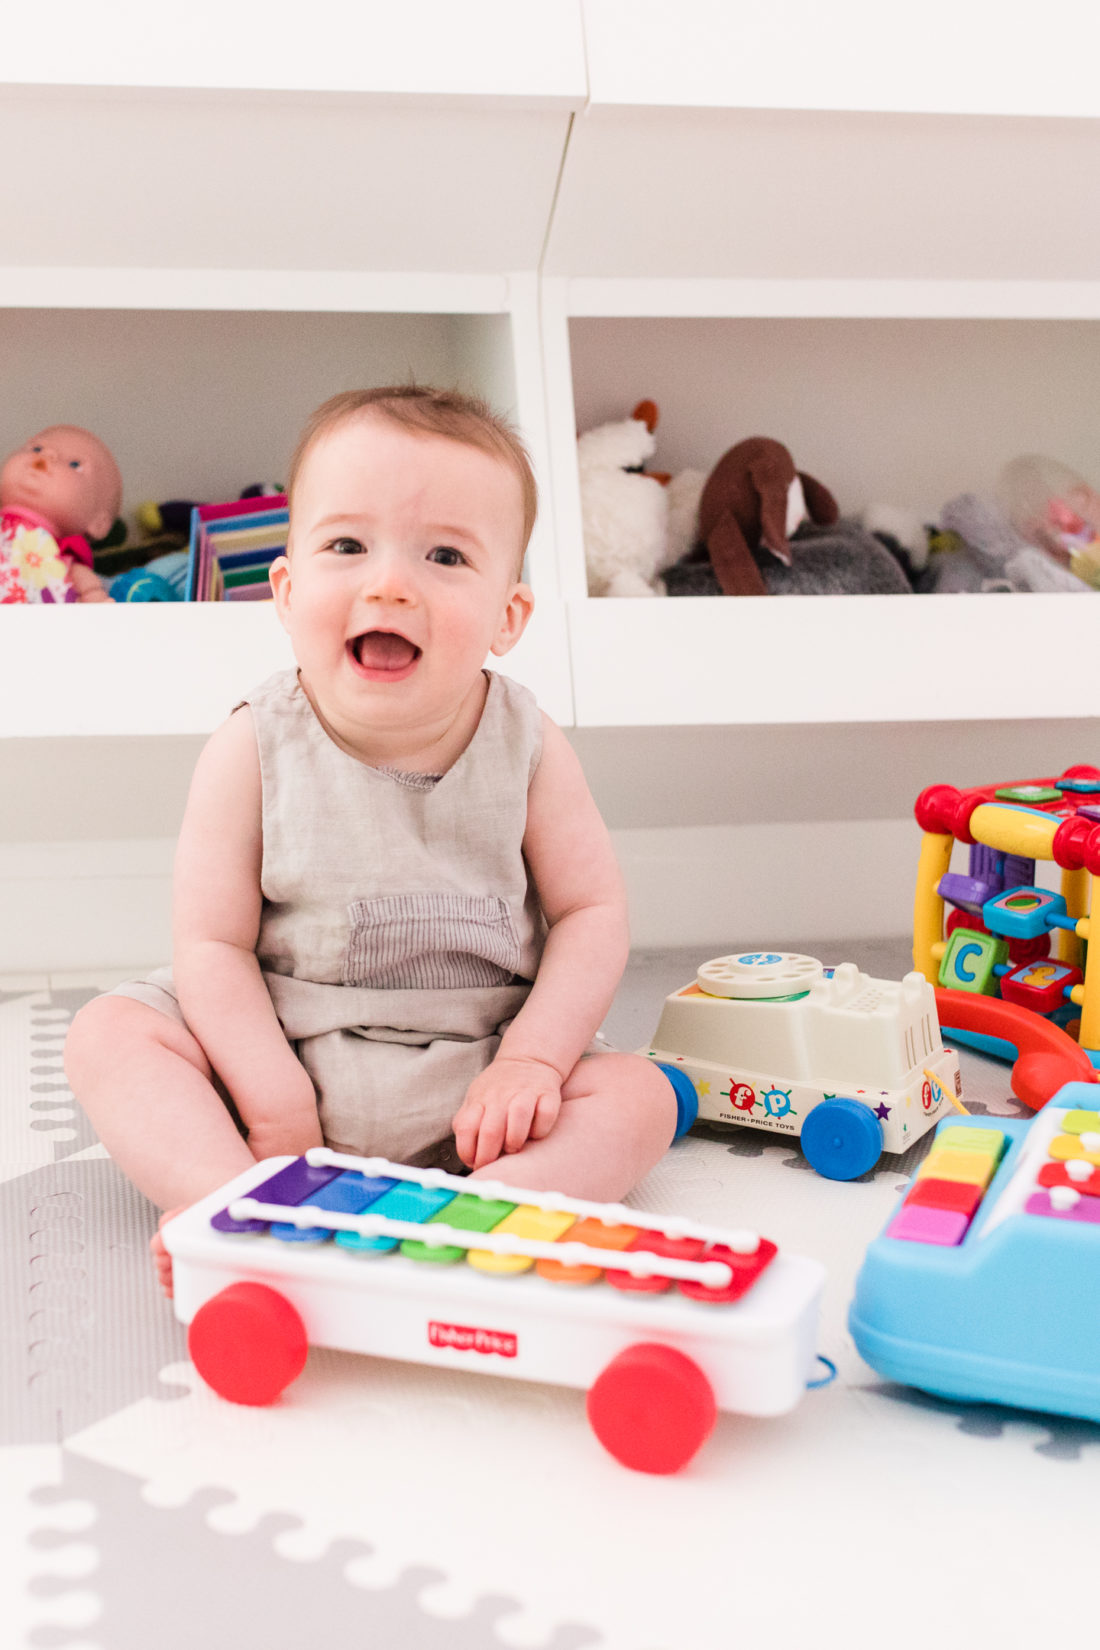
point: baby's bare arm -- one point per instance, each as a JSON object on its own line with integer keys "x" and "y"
{"x": 87, "y": 584}
{"x": 216, "y": 921}
{"x": 580, "y": 887}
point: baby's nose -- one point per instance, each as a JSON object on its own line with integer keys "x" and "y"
{"x": 387, "y": 580}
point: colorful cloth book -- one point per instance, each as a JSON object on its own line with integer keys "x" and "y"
{"x": 233, "y": 546}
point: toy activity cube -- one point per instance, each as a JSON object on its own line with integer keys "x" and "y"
{"x": 662, "y": 1320}
{"x": 1015, "y": 971}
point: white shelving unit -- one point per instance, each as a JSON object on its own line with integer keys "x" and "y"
{"x": 246, "y": 233}
{"x": 781, "y": 219}
{"x": 161, "y": 668}
{"x": 874, "y": 266}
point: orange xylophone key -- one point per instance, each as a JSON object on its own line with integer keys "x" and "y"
{"x": 591, "y": 1231}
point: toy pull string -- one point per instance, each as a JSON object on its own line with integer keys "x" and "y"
{"x": 939, "y": 1092}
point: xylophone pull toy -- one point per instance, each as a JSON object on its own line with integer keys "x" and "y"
{"x": 662, "y": 1321}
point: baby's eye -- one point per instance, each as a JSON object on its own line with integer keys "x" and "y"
{"x": 74, "y": 464}
{"x": 346, "y": 547}
{"x": 447, "y": 556}
{"x": 37, "y": 447}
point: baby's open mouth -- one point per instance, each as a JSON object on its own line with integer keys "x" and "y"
{"x": 384, "y": 651}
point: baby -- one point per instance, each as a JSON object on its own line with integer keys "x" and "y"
{"x": 398, "y": 920}
{"x": 59, "y": 486}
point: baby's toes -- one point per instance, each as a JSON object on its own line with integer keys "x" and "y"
{"x": 162, "y": 1260}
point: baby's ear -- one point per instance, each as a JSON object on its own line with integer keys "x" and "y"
{"x": 100, "y": 525}
{"x": 513, "y": 621}
{"x": 279, "y": 577}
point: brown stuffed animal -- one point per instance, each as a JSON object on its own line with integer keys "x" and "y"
{"x": 754, "y": 497}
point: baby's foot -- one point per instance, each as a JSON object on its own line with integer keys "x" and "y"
{"x": 162, "y": 1260}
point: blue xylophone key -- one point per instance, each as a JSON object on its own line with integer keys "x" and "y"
{"x": 350, "y": 1193}
{"x": 290, "y": 1185}
{"x": 405, "y": 1201}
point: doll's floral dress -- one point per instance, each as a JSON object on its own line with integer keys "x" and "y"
{"x": 32, "y": 568}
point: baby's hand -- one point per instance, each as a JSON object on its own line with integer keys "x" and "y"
{"x": 513, "y": 1101}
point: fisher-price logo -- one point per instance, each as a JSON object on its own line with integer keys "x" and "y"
{"x": 465, "y": 1339}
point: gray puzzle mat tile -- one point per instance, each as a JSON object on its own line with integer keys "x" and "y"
{"x": 83, "y": 1330}
{"x": 164, "y": 1576}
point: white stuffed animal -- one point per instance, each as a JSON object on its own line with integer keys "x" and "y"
{"x": 635, "y": 524}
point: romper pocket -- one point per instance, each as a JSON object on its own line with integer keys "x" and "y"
{"x": 431, "y": 942}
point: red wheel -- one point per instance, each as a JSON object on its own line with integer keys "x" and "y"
{"x": 652, "y": 1408}
{"x": 248, "y": 1343}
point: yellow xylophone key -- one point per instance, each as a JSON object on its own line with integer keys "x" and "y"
{"x": 529, "y": 1221}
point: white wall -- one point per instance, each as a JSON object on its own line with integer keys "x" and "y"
{"x": 906, "y": 412}
{"x": 802, "y": 833}
{"x": 203, "y": 403}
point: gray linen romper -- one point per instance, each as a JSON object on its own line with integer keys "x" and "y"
{"x": 400, "y": 931}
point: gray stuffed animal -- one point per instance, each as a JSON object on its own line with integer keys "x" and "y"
{"x": 839, "y": 560}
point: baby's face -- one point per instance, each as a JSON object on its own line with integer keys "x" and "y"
{"x": 66, "y": 475}
{"x": 401, "y": 574}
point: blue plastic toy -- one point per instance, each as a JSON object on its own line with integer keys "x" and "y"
{"x": 985, "y": 1284}
{"x": 161, "y": 580}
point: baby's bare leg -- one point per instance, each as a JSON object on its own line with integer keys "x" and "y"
{"x": 617, "y": 1120}
{"x": 147, "y": 1088}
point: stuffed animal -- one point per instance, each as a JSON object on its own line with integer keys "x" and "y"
{"x": 173, "y": 517}
{"x": 905, "y": 535}
{"x": 767, "y": 529}
{"x": 636, "y": 523}
{"x": 754, "y": 499}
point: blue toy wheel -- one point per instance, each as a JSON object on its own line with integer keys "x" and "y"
{"x": 841, "y": 1139}
{"x": 687, "y": 1098}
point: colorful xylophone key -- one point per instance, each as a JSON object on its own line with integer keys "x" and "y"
{"x": 416, "y": 1198}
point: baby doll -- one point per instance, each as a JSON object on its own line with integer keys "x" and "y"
{"x": 59, "y": 489}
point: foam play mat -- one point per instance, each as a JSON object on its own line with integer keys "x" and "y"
{"x": 394, "y": 1504}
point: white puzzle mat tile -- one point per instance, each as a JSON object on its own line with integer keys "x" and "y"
{"x": 500, "y": 1489}
{"x": 397, "y": 1505}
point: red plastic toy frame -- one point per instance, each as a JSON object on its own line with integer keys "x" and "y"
{"x": 1047, "y": 1056}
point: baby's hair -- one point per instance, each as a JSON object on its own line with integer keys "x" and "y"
{"x": 417, "y": 407}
